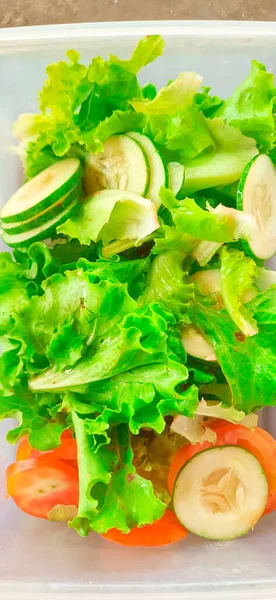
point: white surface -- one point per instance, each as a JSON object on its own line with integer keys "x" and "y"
{"x": 40, "y": 559}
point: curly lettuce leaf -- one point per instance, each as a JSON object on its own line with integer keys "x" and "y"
{"x": 131, "y": 272}
{"x": 219, "y": 225}
{"x": 112, "y": 494}
{"x": 63, "y": 322}
{"x": 13, "y": 290}
{"x": 119, "y": 220}
{"x": 176, "y": 95}
{"x": 238, "y": 273}
{"x": 247, "y": 362}
{"x": 206, "y": 103}
{"x": 77, "y": 103}
{"x": 250, "y": 108}
{"x": 140, "y": 338}
{"x": 118, "y": 122}
{"x": 147, "y": 50}
{"x": 183, "y": 134}
{"x": 34, "y": 416}
{"x": 168, "y": 284}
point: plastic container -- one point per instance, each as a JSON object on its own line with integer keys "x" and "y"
{"x": 45, "y": 560}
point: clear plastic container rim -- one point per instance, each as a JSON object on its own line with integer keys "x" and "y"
{"x": 11, "y": 38}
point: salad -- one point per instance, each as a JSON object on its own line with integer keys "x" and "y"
{"x": 137, "y": 313}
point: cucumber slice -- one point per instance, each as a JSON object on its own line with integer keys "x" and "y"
{"x": 257, "y": 196}
{"x": 42, "y": 191}
{"x": 122, "y": 165}
{"x": 46, "y": 215}
{"x": 176, "y": 176}
{"x": 197, "y": 345}
{"x": 158, "y": 171}
{"x": 220, "y": 493}
{"x": 266, "y": 278}
{"x": 42, "y": 232}
{"x": 209, "y": 281}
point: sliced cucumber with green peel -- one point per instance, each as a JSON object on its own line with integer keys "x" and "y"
{"x": 42, "y": 232}
{"x": 46, "y": 215}
{"x": 220, "y": 493}
{"x": 42, "y": 191}
{"x": 256, "y": 196}
{"x": 122, "y": 165}
{"x": 158, "y": 171}
{"x": 197, "y": 345}
{"x": 176, "y": 176}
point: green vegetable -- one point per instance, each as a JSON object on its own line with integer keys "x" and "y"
{"x": 250, "y": 108}
{"x": 120, "y": 219}
{"x": 237, "y": 275}
{"x": 247, "y": 362}
{"x": 176, "y": 95}
{"x": 93, "y": 322}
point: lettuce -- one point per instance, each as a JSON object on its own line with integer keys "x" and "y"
{"x": 184, "y": 134}
{"x": 112, "y": 494}
{"x": 247, "y": 362}
{"x": 250, "y": 108}
{"x": 176, "y": 95}
{"x": 168, "y": 284}
{"x": 237, "y": 275}
{"x": 82, "y": 106}
{"x": 120, "y": 220}
{"x": 221, "y": 224}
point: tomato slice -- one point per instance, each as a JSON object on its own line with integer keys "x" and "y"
{"x": 257, "y": 441}
{"x": 66, "y": 451}
{"x": 39, "y": 484}
{"x": 166, "y": 530}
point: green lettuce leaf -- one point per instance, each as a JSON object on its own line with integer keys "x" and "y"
{"x": 140, "y": 338}
{"x": 63, "y": 322}
{"x": 176, "y": 95}
{"x": 118, "y": 122}
{"x": 112, "y": 494}
{"x": 250, "y": 108}
{"x": 13, "y": 290}
{"x": 34, "y": 416}
{"x": 184, "y": 134}
{"x": 146, "y": 51}
{"x": 221, "y": 224}
{"x": 168, "y": 284}
{"x": 206, "y": 103}
{"x": 82, "y": 106}
{"x": 119, "y": 219}
{"x": 247, "y": 362}
{"x": 237, "y": 275}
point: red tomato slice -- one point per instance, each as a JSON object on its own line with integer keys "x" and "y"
{"x": 66, "y": 451}
{"x": 257, "y": 441}
{"x": 166, "y": 530}
{"x": 37, "y": 485}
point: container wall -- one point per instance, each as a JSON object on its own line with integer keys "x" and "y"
{"x": 38, "y": 557}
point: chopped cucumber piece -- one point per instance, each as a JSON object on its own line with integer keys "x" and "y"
{"x": 42, "y": 191}
{"x": 220, "y": 493}
{"x": 158, "y": 172}
{"x": 46, "y": 215}
{"x": 257, "y": 196}
{"x": 220, "y": 169}
{"x": 197, "y": 345}
{"x": 42, "y": 232}
{"x": 209, "y": 282}
{"x": 122, "y": 165}
{"x": 176, "y": 175}
{"x": 266, "y": 278}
